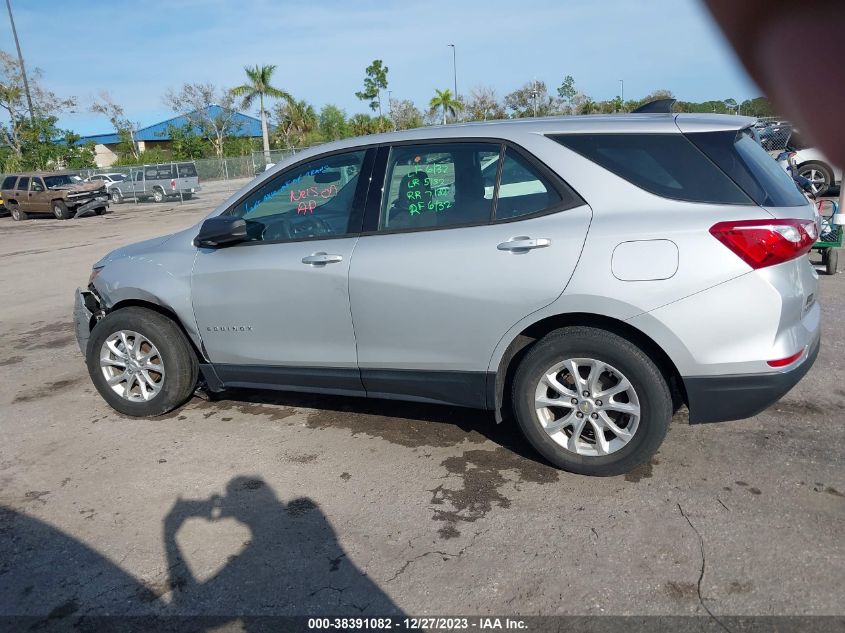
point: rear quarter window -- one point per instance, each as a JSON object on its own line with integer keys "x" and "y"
{"x": 667, "y": 165}
{"x": 742, "y": 158}
{"x": 9, "y": 182}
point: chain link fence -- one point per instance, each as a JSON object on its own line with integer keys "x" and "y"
{"x": 775, "y": 134}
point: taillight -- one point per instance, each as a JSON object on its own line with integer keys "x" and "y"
{"x": 761, "y": 243}
{"x": 173, "y": 184}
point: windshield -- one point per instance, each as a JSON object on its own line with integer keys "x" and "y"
{"x": 57, "y": 181}
{"x": 117, "y": 177}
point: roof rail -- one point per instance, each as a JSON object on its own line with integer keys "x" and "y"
{"x": 658, "y": 106}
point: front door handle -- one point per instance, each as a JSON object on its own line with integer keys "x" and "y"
{"x": 523, "y": 244}
{"x": 317, "y": 259}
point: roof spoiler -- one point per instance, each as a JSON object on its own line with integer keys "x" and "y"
{"x": 659, "y": 106}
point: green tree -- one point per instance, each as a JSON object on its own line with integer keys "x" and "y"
{"x": 446, "y": 103}
{"x": 532, "y": 99}
{"x": 483, "y": 105}
{"x": 361, "y": 124}
{"x": 211, "y": 111}
{"x": 404, "y": 114}
{"x": 116, "y": 115}
{"x": 566, "y": 91}
{"x": 295, "y": 121}
{"x": 588, "y": 107}
{"x": 259, "y": 86}
{"x": 375, "y": 81}
{"x": 333, "y": 124}
{"x": 185, "y": 143}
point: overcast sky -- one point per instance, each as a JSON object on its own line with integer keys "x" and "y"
{"x": 137, "y": 50}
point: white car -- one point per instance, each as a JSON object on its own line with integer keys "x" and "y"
{"x": 107, "y": 179}
{"x": 812, "y": 164}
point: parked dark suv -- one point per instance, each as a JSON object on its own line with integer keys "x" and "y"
{"x": 58, "y": 194}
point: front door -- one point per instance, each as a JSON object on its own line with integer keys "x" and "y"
{"x": 463, "y": 250}
{"x": 274, "y": 311}
{"x": 39, "y": 197}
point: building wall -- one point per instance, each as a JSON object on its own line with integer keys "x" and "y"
{"x": 105, "y": 155}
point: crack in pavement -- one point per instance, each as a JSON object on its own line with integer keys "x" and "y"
{"x": 702, "y": 570}
{"x": 446, "y": 555}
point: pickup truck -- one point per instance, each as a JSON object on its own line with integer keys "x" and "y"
{"x": 159, "y": 182}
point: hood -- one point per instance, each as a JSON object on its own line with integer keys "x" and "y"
{"x": 133, "y": 249}
{"x": 79, "y": 187}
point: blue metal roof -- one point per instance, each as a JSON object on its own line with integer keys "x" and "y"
{"x": 242, "y": 124}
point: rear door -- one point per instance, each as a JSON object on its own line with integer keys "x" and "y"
{"x": 22, "y": 193}
{"x": 450, "y": 263}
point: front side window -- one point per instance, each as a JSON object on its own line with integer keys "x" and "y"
{"x": 36, "y": 185}
{"x": 314, "y": 199}
{"x": 442, "y": 184}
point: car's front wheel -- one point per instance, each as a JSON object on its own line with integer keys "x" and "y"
{"x": 116, "y": 196}
{"x": 140, "y": 362}
{"x": 591, "y": 402}
{"x": 60, "y": 210}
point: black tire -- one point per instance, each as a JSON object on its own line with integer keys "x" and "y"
{"x": 647, "y": 380}
{"x": 60, "y": 210}
{"x": 831, "y": 261}
{"x": 180, "y": 361}
{"x": 18, "y": 215}
{"x": 806, "y": 170}
{"x": 187, "y": 196}
{"x": 116, "y": 196}
{"x": 100, "y": 211}
{"x": 158, "y": 195}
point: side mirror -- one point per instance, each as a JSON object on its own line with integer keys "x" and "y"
{"x": 221, "y": 230}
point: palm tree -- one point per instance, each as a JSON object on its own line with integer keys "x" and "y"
{"x": 259, "y": 86}
{"x": 444, "y": 100}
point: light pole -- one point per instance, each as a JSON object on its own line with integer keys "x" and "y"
{"x": 454, "y": 69}
{"x": 622, "y": 91}
{"x": 20, "y": 60}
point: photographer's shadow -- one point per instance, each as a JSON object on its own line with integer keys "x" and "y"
{"x": 292, "y": 563}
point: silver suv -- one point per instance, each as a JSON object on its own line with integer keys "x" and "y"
{"x": 624, "y": 266}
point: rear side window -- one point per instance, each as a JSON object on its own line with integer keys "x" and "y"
{"x": 522, "y": 190}
{"x": 667, "y": 165}
{"x": 23, "y": 183}
{"x": 9, "y": 182}
{"x": 186, "y": 170}
{"x": 740, "y": 156}
{"x": 443, "y": 184}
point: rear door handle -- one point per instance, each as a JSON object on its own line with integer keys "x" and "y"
{"x": 316, "y": 259}
{"x": 523, "y": 244}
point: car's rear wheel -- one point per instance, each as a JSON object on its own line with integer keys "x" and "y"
{"x": 60, "y": 210}
{"x": 591, "y": 402}
{"x": 158, "y": 195}
{"x": 141, "y": 363}
{"x": 15, "y": 211}
{"x": 819, "y": 175}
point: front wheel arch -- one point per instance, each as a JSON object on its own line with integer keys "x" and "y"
{"x": 527, "y": 338}
{"x": 164, "y": 311}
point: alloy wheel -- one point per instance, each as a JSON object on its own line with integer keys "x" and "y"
{"x": 132, "y": 366}
{"x": 587, "y": 406}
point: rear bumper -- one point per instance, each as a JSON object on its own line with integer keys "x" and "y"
{"x": 739, "y": 396}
